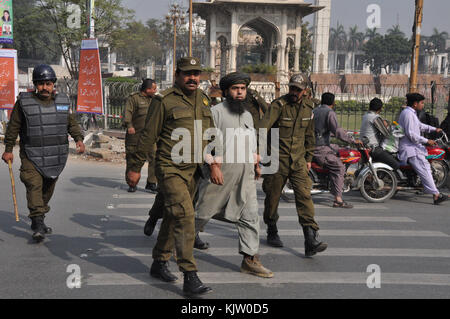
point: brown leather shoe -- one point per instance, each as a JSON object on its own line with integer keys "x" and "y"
{"x": 252, "y": 265}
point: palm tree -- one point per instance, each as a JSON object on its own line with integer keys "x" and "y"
{"x": 371, "y": 33}
{"x": 438, "y": 39}
{"x": 395, "y": 30}
{"x": 338, "y": 37}
{"x": 355, "y": 39}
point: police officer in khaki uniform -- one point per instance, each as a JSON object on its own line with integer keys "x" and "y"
{"x": 43, "y": 120}
{"x": 292, "y": 115}
{"x": 181, "y": 109}
{"x": 257, "y": 107}
{"x": 135, "y": 114}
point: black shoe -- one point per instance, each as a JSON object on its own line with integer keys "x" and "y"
{"x": 272, "y": 236}
{"x": 200, "y": 244}
{"x": 38, "y": 228}
{"x": 160, "y": 270}
{"x": 193, "y": 286}
{"x": 150, "y": 226}
{"x": 342, "y": 205}
{"x": 151, "y": 187}
{"x": 312, "y": 246}
{"x": 441, "y": 198}
{"x": 132, "y": 189}
{"x": 47, "y": 230}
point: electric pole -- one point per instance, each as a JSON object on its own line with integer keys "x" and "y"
{"x": 417, "y": 28}
{"x": 90, "y": 5}
{"x": 190, "y": 27}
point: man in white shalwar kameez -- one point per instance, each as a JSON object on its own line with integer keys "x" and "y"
{"x": 235, "y": 200}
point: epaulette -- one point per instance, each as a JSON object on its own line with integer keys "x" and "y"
{"x": 280, "y": 101}
{"x": 134, "y": 93}
{"x": 167, "y": 92}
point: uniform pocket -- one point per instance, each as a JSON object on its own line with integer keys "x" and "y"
{"x": 142, "y": 110}
{"x": 285, "y": 126}
{"x": 179, "y": 113}
{"x": 176, "y": 211}
{"x": 305, "y": 122}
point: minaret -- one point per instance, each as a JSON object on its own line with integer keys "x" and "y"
{"x": 321, "y": 36}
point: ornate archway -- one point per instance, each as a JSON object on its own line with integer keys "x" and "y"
{"x": 273, "y": 20}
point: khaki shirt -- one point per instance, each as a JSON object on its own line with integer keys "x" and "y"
{"x": 135, "y": 113}
{"x": 170, "y": 111}
{"x": 296, "y": 131}
{"x": 18, "y": 122}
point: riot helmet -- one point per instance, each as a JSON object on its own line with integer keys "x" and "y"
{"x": 44, "y": 72}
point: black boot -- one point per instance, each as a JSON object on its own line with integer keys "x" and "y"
{"x": 193, "y": 286}
{"x": 312, "y": 246}
{"x": 272, "y": 236}
{"x": 150, "y": 226}
{"x": 151, "y": 187}
{"x": 160, "y": 270}
{"x": 47, "y": 230}
{"x": 38, "y": 227}
{"x": 200, "y": 244}
{"x": 132, "y": 189}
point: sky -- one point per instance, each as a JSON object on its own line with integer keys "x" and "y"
{"x": 346, "y": 12}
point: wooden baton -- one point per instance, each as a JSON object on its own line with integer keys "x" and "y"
{"x": 13, "y": 186}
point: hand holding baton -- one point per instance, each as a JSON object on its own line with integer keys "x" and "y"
{"x": 13, "y": 186}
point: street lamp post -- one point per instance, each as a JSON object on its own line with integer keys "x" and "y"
{"x": 175, "y": 16}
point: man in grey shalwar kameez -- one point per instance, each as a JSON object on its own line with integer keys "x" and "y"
{"x": 235, "y": 200}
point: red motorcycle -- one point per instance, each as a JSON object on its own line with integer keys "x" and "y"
{"x": 358, "y": 164}
{"x": 406, "y": 178}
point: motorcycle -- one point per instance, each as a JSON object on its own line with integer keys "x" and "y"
{"x": 358, "y": 167}
{"x": 405, "y": 177}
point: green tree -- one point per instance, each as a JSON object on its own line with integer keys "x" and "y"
{"x": 438, "y": 39}
{"x": 137, "y": 44}
{"x": 306, "y": 49}
{"x": 33, "y": 39}
{"x": 395, "y": 30}
{"x": 371, "y": 34}
{"x": 384, "y": 52}
{"x": 56, "y": 35}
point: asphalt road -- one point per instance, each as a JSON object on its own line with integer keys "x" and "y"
{"x": 98, "y": 231}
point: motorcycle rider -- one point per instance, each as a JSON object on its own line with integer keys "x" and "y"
{"x": 374, "y": 130}
{"x": 411, "y": 148}
{"x": 326, "y": 154}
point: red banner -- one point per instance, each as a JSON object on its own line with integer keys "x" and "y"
{"x": 90, "y": 95}
{"x": 8, "y": 78}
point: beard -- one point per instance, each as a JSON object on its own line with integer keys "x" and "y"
{"x": 293, "y": 98}
{"x": 236, "y": 106}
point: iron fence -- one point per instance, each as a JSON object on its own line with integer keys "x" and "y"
{"x": 352, "y": 100}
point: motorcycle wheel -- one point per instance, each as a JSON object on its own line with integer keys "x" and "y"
{"x": 370, "y": 192}
{"x": 440, "y": 173}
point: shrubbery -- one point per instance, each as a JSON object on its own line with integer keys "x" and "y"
{"x": 259, "y": 68}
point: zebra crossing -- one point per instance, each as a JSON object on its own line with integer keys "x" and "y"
{"x": 126, "y": 214}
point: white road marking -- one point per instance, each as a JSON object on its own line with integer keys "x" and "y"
{"x": 354, "y": 278}
{"x": 264, "y": 250}
{"x": 333, "y": 218}
{"x": 297, "y": 232}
